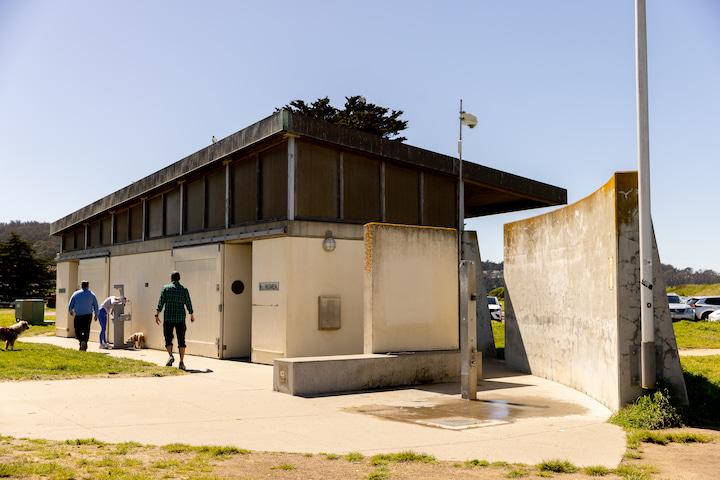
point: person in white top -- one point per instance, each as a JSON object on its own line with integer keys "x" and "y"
{"x": 104, "y": 314}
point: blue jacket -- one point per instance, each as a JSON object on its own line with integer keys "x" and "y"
{"x": 83, "y": 302}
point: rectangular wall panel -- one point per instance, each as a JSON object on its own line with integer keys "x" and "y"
{"x": 361, "y": 188}
{"x": 244, "y": 191}
{"x": 122, "y": 219}
{"x": 155, "y": 217}
{"x": 195, "y": 205}
{"x": 440, "y": 200}
{"x": 215, "y": 183}
{"x": 136, "y": 222}
{"x": 402, "y": 199}
{"x": 274, "y": 173}
{"x": 317, "y": 181}
{"x": 172, "y": 212}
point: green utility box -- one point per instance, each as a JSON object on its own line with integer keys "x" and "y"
{"x": 32, "y": 310}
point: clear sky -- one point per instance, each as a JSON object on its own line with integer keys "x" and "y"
{"x": 95, "y": 95}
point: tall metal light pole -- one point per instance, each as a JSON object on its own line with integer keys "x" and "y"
{"x": 647, "y": 321}
{"x": 467, "y": 294}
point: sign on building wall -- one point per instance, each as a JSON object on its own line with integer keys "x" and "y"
{"x": 269, "y": 286}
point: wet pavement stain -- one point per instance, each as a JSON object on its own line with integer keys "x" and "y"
{"x": 458, "y": 414}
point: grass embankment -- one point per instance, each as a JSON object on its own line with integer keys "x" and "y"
{"x": 694, "y": 290}
{"x": 7, "y": 318}
{"x": 30, "y": 361}
{"x": 90, "y": 458}
{"x": 697, "y": 334}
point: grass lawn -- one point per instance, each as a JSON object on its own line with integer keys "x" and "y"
{"x": 697, "y": 334}
{"x": 498, "y": 329}
{"x": 702, "y": 379}
{"x": 30, "y": 361}
{"x": 692, "y": 290}
{"x": 89, "y": 458}
{"x": 7, "y": 318}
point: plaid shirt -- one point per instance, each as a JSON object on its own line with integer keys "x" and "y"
{"x": 174, "y": 297}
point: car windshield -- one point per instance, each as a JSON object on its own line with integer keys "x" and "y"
{"x": 673, "y": 299}
{"x": 492, "y": 301}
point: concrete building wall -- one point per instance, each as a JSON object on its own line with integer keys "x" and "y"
{"x": 269, "y": 307}
{"x": 313, "y": 272}
{"x": 285, "y": 321}
{"x": 571, "y": 277}
{"x": 66, "y": 283}
{"x": 143, "y": 276}
{"x": 560, "y": 283}
{"x": 410, "y": 288}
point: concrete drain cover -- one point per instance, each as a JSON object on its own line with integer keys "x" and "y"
{"x": 459, "y": 423}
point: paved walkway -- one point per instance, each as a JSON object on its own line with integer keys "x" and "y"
{"x": 699, "y": 352}
{"x": 235, "y": 404}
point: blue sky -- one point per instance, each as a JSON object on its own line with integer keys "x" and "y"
{"x": 95, "y": 95}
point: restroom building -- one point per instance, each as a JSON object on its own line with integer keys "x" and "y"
{"x": 266, "y": 228}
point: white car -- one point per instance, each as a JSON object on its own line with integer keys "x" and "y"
{"x": 495, "y": 308}
{"x": 714, "y": 316}
{"x": 678, "y": 309}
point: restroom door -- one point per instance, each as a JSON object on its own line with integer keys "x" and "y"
{"x": 237, "y": 293}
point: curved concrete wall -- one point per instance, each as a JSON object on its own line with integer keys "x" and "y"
{"x": 572, "y": 300}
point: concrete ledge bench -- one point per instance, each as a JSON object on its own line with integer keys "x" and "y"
{"x": 313, "y": 376}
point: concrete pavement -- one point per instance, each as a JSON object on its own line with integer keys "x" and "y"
{"x": 528, "y": 419}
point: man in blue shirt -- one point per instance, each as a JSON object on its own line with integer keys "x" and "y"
{"x": 83, "y": 305}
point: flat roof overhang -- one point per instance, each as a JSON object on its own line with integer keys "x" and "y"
{"x": 487, "y": 191}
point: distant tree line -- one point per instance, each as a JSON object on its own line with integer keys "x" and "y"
{"x": 23, "y": 274}
{"x": 37, "y": 233}
{"x": 674, "y": 276}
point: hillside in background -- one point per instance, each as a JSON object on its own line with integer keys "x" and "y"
{"x": 37, "y": 233}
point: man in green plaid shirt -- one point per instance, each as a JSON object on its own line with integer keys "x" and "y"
{"x": 174, "y": 298}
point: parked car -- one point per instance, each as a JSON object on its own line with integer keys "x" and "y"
{"x": 495, "y": 308}
{"x": 704, "y": 306}
{"x": 678, "y": 309}
{"x": 714, "y": 316}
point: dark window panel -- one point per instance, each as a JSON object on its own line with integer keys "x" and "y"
{"x": 155, "y": 217}
{"x": 244, "y": 191}
{"x": 172, "y": 212}
{"x": 317, "y": 181}
{"x": 122, "y": 220}
{"x": 195, "y": 205}
{"x": 401, "y": 195}
{"x": 216, "y": 199}
{"x": 274, "y": 172}
{"x": 361, "y": 188}
{"x": 136, "y": 222}
{"x": 106, "y": 227}
{"x": 95, "y": 234}
{"x": 440, "y": 200}
{"x": 69, "y": 240}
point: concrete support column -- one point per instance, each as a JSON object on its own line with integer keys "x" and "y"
{"x": 182, "y": 206}
{"x": 468, "y": 340}
{"x": 227, "y": 194}
{"x": 292, "y": 154}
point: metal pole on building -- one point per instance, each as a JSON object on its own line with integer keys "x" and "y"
{"x": 647, "y": 321}
{"x": 461, "y": 187}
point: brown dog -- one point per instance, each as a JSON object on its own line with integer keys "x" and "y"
{"x": 11, "y": 333}
{"x": 137, "y": 339}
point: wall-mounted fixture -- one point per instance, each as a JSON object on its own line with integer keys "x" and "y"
{"x": 329, "y": 242}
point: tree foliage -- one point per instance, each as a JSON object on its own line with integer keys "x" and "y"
{"x": 22, "y": 273}
{"x": 357, "y": 113}
{"x": 37, "y": 233}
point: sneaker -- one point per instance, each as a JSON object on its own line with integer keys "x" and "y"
{"x": 83, "y": 346}
{"x": 181, "y": 366}
{"x": 170, "y": 361}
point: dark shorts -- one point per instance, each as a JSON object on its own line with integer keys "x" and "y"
{"x": 179, "y": 330}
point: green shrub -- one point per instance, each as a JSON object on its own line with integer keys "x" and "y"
{"x": 402, "y": 457}
{"x": 596, "y": 471}
{"x": 649, "y": 412}
{"x": 354, "y": 457}
{"x": 477, "y": 463}
{"x": 557, "y": 466}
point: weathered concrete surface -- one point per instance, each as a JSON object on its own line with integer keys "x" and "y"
{"x": 485, "y": 338}
{"x": 410, "y": 288}
{"x": 234, "y": 404}
{"x": 572, "y": 299}
{"x": 310, "y": 376}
